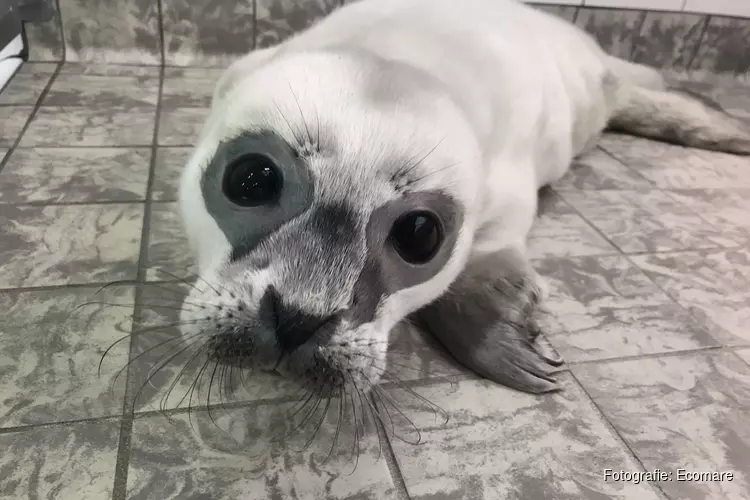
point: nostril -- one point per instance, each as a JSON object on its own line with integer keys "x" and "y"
{"x": 292, "y": 325}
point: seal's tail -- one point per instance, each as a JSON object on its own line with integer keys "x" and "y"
{"x": 647, "y": 106}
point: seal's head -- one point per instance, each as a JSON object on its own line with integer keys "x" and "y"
{"x": 327, "y": 199}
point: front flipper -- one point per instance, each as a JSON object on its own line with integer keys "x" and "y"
{"x": 486, "y": 322}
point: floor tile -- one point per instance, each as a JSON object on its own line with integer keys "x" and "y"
{"x": 75, "y": 461}
{"x": 700, "y": 276}
{"x": 53, "y": 375}
{"x": 64, "y": 175}
{"x": 62, "y": 126}
{"x": 168, "y": 250}
{"x": 104, "y": 91}
{"x": 599, "y": 170}
{"x": 606, "y": 307}
{"x": 744, "y": 354}
{"x": 238, "y": 457}
{"x": 498, "y": 443}
{"x": 189, "y": 87}
{"x": 27, "y": 84}
{"x": 277, "y": 20}
{"x": 204, "y": 33}
{"x": 12, "y": 121}
{"x": 181, "y": 126}
{"x": 676, "y": 167}
{"x": 111, "y": 32}
{"x": 57, "y": 245}
{"x": 731, "y": 314}
{"x": 169, "y": 165}
{"x": 647, "y": 221}
{"x": 686, "y": 412}
{"x": 90, "y": 68}
{"x": 559, "y": 232}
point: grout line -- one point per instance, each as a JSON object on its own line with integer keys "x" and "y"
{"x": 698, "y": 46}
{"x": 163, "y": 48}
{"x": 76, "y": 286}
{"x": 61, "y": 27}
{"x": 708, "y": 328}
{"x": 91, "y": 203}
{"x": 618, "y": 437}
{"x": 638, "y": 35}
{"x": 62, "y": 423}
{"x": 119, "y": 488}
{"x": 34, "y": 111}
{"x": 659, "y": 355}
{"x": 254, "y": 45}
{"x": 402, "y": 493}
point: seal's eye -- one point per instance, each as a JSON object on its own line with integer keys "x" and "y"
{"x": 417, "y": 236}
{"x": 252, "y": 180}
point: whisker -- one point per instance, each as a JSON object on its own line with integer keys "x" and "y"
{"x": 176, "y": 380}
{"x": 288, "y": 124}
{"x": 152, "y": 373}
{"x": 302, "y": 116}
{"x": 380, "y": 392}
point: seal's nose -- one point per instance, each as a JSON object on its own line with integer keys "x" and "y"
{"x": 292, "y": 325}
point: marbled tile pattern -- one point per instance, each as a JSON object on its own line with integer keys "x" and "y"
{"x": 681, "y": 412}
{"x": 643, "y": 247}
{"x": 206, "y": 32}
{"x": 111, "y": 31}
{"x": 243, "y": 453}
{"x": 169, "y": 164}
{"x": 12, "y": 121}
{"x": 84, "y": 126}
{"x": 64, "y": 175}
{"x": 59, "y": 245}
{"x": 278, "y": 19}
{"x": 669, "y": 40}
{"x": 51, "y": 343}
{"x": 27, "y": 84}
{"x": 615, "y": 30}
{"x": 499, "y": 444}
{"x": 181, "y": 126}
{"x": 75, "y": 461}
{"x": 724, "y": 46}
{"x": 45, "y": 40}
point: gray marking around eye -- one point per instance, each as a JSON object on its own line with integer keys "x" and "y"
{"x": 385, "y": 272}
{"x": 245, "y": 227}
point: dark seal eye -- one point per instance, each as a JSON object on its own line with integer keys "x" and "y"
{"x": 417, "y": 236}
{"x": 252, "y": 180}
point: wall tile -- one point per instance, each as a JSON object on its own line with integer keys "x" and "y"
{"x": 278, "y": 19}
{"x": 614, "y": 29}
{"x": 725, "y": 47}
{"x": 669, "y": 39}
{"x": 45, "y": 40}
{"x": 111, "y": 31}
{"x": 207, "y": 32}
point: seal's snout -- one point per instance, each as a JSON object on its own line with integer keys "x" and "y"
{"x": 292, "y": 326}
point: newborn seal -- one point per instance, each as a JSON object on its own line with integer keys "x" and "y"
{"x": 384, "y": 164}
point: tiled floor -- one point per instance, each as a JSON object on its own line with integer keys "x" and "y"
{"x": 646, "y": 248}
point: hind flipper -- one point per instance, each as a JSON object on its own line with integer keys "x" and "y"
{"x": 678, "y": 116}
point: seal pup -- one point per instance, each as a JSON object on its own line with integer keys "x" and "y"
{"x": 384, "y": 164}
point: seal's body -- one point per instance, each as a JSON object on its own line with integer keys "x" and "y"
{"x": 385, "y": 163}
